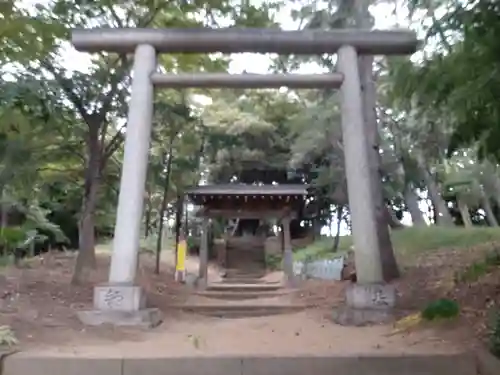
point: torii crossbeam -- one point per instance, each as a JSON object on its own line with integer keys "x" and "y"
{"x": 234, "y": 40}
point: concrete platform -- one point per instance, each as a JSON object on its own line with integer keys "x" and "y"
{"x": 459, "y": 364}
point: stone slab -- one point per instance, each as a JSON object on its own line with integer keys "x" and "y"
{"x": 116, "y": 297}
{"x": 182, "y": 366}
{"x": 487, "y": 363}
{"x": 372, "y": 365}
{"x": 22, "y": 364}
{"x": 146, "y": 318}
{"x": 459, "y": 364}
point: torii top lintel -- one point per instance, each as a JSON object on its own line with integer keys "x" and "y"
{"x": 238, "y": 40}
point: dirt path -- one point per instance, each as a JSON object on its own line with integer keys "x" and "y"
{"x": 303, "y": 333}
{"x": 39, "y": 298}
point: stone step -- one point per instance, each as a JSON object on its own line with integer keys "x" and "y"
{"x": 257, "y": 274}
{"x": 234, "y": 296}
{"x": 241, "y": 310}
{"x": 245, "y": 275}
{"x": 245, "y": 271}
{"x": 242, "y": 288}
{"x": 465, "y": 363}
{"x": 245, "y": 280}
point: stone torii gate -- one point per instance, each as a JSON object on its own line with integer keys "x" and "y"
{"x": 121, "y": 302}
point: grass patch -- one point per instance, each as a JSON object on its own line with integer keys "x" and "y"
{"x": 273, "y": 262}
{"x": 480, "y": 268}
{"x": 323, "y": 249}
{"x": 409, "y": 241}
{"x": 147, "y": 245}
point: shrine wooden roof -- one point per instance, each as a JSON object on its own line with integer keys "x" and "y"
{"x": 254, "y": 190}
{"x": 248, "y": 201}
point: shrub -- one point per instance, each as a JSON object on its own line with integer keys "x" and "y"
{"x": 7, "y": 336}
{"x": 441, "y": 309}
{"x": 273, "y": 261}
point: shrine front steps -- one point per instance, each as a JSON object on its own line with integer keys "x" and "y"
{"x": 242, "y": 301}
{"x": 241, "y": 311}
{"x": 240, "y": 308}
{"x": 245, "y": 287}
{"x": 234, "y": 292}
{"x": 244, "y": 274}
{"x": 246, "y": 280}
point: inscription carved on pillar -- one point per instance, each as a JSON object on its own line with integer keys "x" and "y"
{"x": 113, "y": 298}
{"x": 379, "y": 297}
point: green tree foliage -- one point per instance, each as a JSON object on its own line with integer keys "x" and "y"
{"x": 75, "y": 117}
{"x": 62, "y": 125}
{"x": 460, "y": 77}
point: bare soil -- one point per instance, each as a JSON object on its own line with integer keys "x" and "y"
{"x": 37, "y": 298}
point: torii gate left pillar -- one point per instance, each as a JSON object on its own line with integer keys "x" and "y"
{"x": 121, "y": 301}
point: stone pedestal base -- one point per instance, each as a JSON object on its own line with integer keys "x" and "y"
{"x": 367, "y": 304}
{"x": 180, "y": 276}
{"x": 120, "y": 305}
{"x": 290, "y": 281}
{"x": 201, "y": 283}
{"x": 146, "y": 318}
{"x": 191, "y": 279}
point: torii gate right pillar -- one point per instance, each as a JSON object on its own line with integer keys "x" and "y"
{"x": 369, "y": 300}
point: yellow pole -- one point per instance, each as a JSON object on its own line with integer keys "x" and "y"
{"x": 180, "y": 266}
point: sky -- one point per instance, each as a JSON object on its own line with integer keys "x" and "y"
{"x": 386, "y": 17}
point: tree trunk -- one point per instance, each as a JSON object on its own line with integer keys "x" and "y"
{"x": 4, "y": 207}
{"x": 490, "y": 216}
{"x": 186, "y": 222}
{"x": 392, "y": 219}
{"x": 412, "y": 203}
{"x": 167, "y": 162}
{"x": 390, "y": 268}
{"x": 464, "y": 213}
{"x": 496, "y": 185}
{"x": 86, "y": 237}
{"x": 336, "y": 241}
{"x": 441, "y": 209}
{"x": 147, "y": 216}
{"x": 316, "y": 222}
